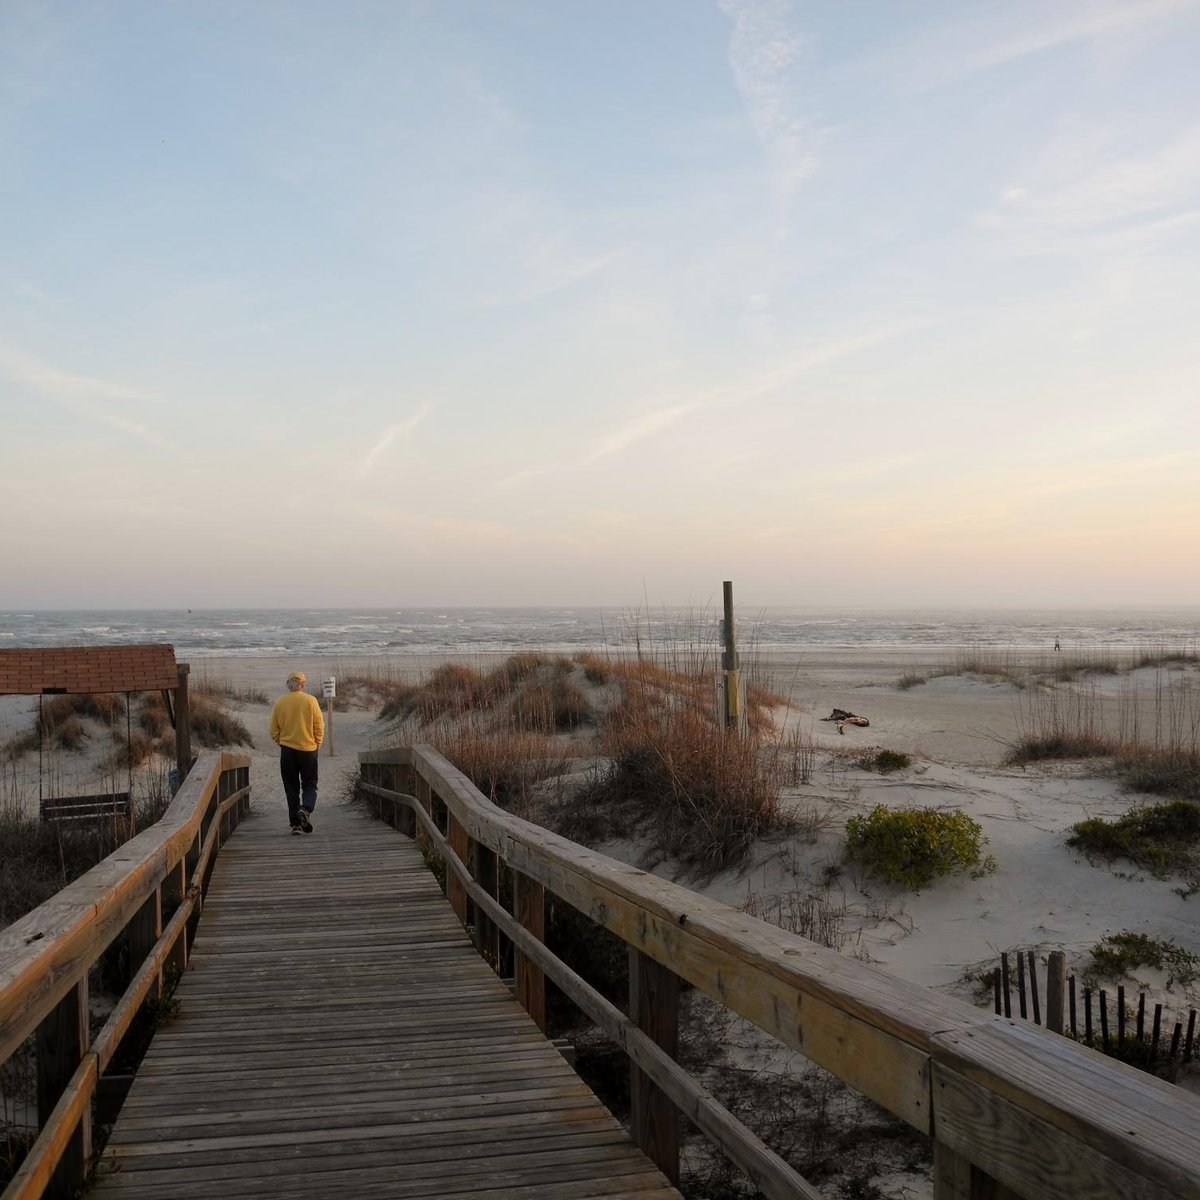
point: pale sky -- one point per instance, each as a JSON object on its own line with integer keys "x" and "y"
{"x": 599, "y": 301}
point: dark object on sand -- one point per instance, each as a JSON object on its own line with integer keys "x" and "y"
{"x": 843, "y": 718}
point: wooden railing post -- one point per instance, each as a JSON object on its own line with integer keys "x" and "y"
{"x": 404, "y": 779}
{"x": 955, "y": 1178}
{"x": 425, "y": 800}
{"x": 487, "y": 933}
{"x": 62, "y": 1041}
{"x": 456, "y": 835}
{"x": 141, "y": 934}
{"x": 654, "y": 1007}
{"x": 529, "y": 901}
{"x": 172, "y": 891}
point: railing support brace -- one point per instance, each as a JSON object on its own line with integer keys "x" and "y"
{"x": 955, "y": 1178}
{"x": 529, "y": 899}
{"x": 62, "y": 1041}
{"x": 654, "y": 1006}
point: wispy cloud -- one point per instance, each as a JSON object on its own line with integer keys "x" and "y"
{"x": 84, "y": 395}
{"x": 764, "y": 52}
{"x": 1084, "y": 187}
{"x": 1009, "y": 33}
{"x": 638, "y": 429}
{"x": 402, "y": 429}
{"x": 54, "y": 381}
{"x": 759, "y": 387}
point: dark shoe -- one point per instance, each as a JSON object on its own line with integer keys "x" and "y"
{"x": 305, "y": 823}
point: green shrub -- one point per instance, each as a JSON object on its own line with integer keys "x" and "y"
{"x": 885, "y": 762}
{"x": 1119, "y": 953}
{"x": 911, "y": 680}
{"x": 1159, "y": 838}
{"x": 913, "y": 846}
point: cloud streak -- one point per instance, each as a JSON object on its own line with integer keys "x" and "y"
{"x": 402, "y": 429}
{"x": 83, "y": 395}
{"x": 1006, "y": 35}
{"x": 763, "y": 53}
{"x": 638, "y": 430}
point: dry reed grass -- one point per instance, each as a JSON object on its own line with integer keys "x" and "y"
{"x": 505, "y": 765}
{"x": 1152, "y": 743}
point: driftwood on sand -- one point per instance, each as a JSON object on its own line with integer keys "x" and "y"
{"x": 844, "y": 718}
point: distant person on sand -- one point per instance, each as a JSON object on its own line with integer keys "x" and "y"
{"x": 1057, "y": 645}
{"x": 298, "y": 729}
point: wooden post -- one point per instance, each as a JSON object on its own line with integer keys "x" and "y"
{"x": 487, "y": 933}
{"x": 1005, "y": 979}
{"x": 956, "y": 1178}
{"x": 404, "y": 779}
{"x": 1056, "y": 979}
{"x": 1021, "y": 985}
{"x": 529, "y": 900}
{"x": 730, "y": 660}
{"x": 1033, "y": 989}
{"x": 654, "y": 1006}
{"x": 141, "y": 934}
{"x": 62, "y": 1040}
{"x": 173, "y": 889}
{"x": 183, "y": 724}
{"x": 425, "y": 800}
{"x": 329, "y": 687}
{"x": 455, "y": 892}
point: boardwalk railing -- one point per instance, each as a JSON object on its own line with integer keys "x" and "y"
{"x": 149, "y": 894}
{"x": 1013, "y": 1110}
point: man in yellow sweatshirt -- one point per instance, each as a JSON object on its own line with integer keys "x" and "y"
{"x": 298, "y": 729}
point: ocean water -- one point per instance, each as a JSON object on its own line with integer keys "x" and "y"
{"x": 265, "y": 632}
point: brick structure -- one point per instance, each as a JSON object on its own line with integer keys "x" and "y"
{"x": 79, "y": 669}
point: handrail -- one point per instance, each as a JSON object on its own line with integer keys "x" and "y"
{"x": 1013, "y": 1109}
{"x": 46, "y": 955}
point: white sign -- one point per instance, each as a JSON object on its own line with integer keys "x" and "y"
{"x": 329, "y": 688}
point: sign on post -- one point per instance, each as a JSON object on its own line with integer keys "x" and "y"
{"x": 329, "y": 691}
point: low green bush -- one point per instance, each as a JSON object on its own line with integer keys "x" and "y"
{"x": 913, "y": 846}
{"x": 1160, "y": 838}
{"x": 885, "y": 762}
{"x": 1119, "y": 953}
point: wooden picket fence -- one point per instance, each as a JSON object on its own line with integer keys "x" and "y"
{"x": 1129, "y": 1041}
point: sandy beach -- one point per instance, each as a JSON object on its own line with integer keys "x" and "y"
{"x": 956, "y": 728}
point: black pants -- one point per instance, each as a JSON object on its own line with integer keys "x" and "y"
{"x": 299, "y": 771}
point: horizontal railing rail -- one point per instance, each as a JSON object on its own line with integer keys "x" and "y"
{"x": 1012, "y": 1109}
{"x": 149, "y": 893}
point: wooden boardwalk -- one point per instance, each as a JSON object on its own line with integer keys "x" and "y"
{"x": 339, "y": 1035}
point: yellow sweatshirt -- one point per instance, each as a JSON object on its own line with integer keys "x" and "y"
{"x": 296, "y": 721}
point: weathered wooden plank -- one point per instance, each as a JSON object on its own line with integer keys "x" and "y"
{"x": 45, "y": 953}
{"x": 868, "y": 1028}
{"x": 1103, "y": 1129}
{"x": 654, "y": 1007}
{"x": 376, "y": 1025}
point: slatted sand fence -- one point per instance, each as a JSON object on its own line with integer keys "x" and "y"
{"x": 337, "y": 1034}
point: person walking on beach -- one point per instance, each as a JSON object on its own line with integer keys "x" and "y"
{"x": 1057, "y": 644}
{"x": 298, "y": 729}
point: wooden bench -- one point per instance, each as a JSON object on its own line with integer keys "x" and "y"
{"x": 79, "y": 809}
